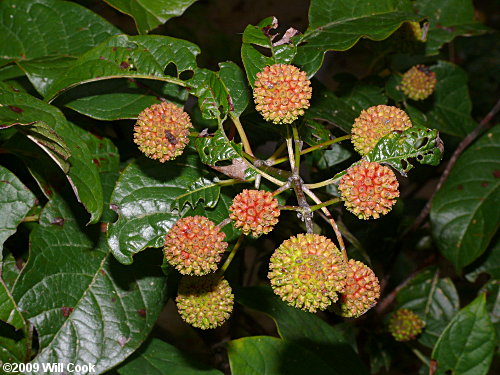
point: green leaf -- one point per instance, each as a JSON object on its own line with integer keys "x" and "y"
{"x": 432, "y": 298}
{"x": 159, "y": 358}
{"x": 217, "y": 149}
{"x": 448, "y": 19}
{"x": 282, "y": 51}
{"x": 305, "y": 329}
{"x": 15, "y": 202}
{"x": 464, "y": 212}
{"x": 236, "y": 85}
{"x": 338, "y": 24}
{"x": 121, "y": 98}
{"x": 59, "y": 28}
{"x": 93, "y": 309}
{"x": 145, "y": 201}
{"x": 336, "y": 154}
{"x": 467, "y": 344}
{"x": 265, "y": 355}
{"x": 489, "y": 263}
{"x": 82, "y": 174}
{"x": 9, "y": 312}
{"x": 149, "y": 14}
{"x": 418, "y": 143}
{"x": 13, "y": 344}
{"x": 452, "y": 106}
{"x": 129, "y": 56}
{"x": 202, "y": 189}
{"x": 213, "y": 97}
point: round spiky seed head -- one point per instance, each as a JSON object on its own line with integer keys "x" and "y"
{"x": 194, "y": 245}
{"x": 307, "y": 271}
{"x": 375, "y": 123}
{"x": 204, "y": 302}
{"x": 361, "y": 292}
{"x": 281, "y": 93}
{"x": 162, "y": 131}
{"x": 405, "y": 325}
{"x": 419, "y": 82}
{"x": 369, "y": 189}
{"x": 256, "y": 212}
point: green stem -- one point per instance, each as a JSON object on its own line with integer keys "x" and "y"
{"x": 278, "y": 152}
{"x": 242, "y": 134}
{"x": 31, "y": 218}
{"x": 298, "y": 146}
{"x": 325, "y": 204}
{"x": 289, "y": 145}
{"x": 232, "y": 254}
{"x": 316, "y": 147}
{"x": 325, "y": 182}
{"x": 420, "y": 356}
{"x": 330, "y": 219}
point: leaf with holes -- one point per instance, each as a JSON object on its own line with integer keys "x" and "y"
{"x": 86, "y": 307}
{"x": 464, "y": 212}
{"x": 217, "y": 148}
{"x": 419, "y": 143}
{"x": 149, "y": 14}
{"x": 203, "y": 189}
{"x": 467, "y": 344}
{"x": 62, "y": 28}
{"x": 434, "y": 299}
{"x": 282, "y": 51}
{"x": 125, "y": 56}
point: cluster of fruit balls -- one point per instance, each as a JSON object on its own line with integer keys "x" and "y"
{"x": 307, "y": 271}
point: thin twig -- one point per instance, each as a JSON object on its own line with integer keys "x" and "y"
{"x": 483, "y": 125}
{"x": 330, "y": 218}
{"x": 232, "y": 254}
{"x": 242, "y": 134}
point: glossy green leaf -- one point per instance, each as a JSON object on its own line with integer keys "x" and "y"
{"x": 60, "y": 28}
{"x": 15, "y": 202}
{"x": 121, "y": 98}
{"x": 338, "y": 24}
{"x": 217, "y": 148}
{"x": 451, "y": 112}
{"x": 416, "y": 143}
{"x": 159, "y": 358}
{"x": 265, "y": 355}
{"x": 447, "y": 20}
{"x": 213, "y": 96}
{"x": 282, "y": 49}
{"x": 433, "y": 299}
{"x": 467, "y": 344}
{"x": 464, "y": 212}
{"x": 336, "y": 154}
{"x": 129, "y": 56}
{"x": 86, "y": 307}
{"x": 149, "y": 14}
{"x": 44, "y": 71}
{"x": 236, "y": 85}
{"x": 201, "y": 189}
{"x": 306, "y": 329}
{"x": 489, "y": 263}
{"x": 82, "y": 173}
{"x": 13, "y": 345}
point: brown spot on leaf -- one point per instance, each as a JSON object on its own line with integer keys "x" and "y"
{"x": 496, "y": 173}
{"x": 96, "y": 162}
{"x": 460, "y": 187}
{"x": 66, "y": 311}
{"x": 15, "y": 109}
{"x": 103, "y": 227}
{"x": 484, "y": 184}
{"x": 124, "y": 65}
{"x": 101, "y": 57}
{"x": 142, "y": 313}
{"x": 58, "y": 221}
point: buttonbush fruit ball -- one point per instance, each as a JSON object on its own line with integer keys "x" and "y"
{"x": 307, "y": 271}
{"x": 369, "y": 189}
{"x": 256, "y": 212}
{"x": 419, "y": 82}
{"x": 361, "y": 292}
{"x": 375, "y": 123}
{"x": 162, "y": 131}
{"x": 405, "y": 325}
{"x": 204, "y": 302}
{"x": 281, "y": 93}
{"x": 194, "y": 245}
